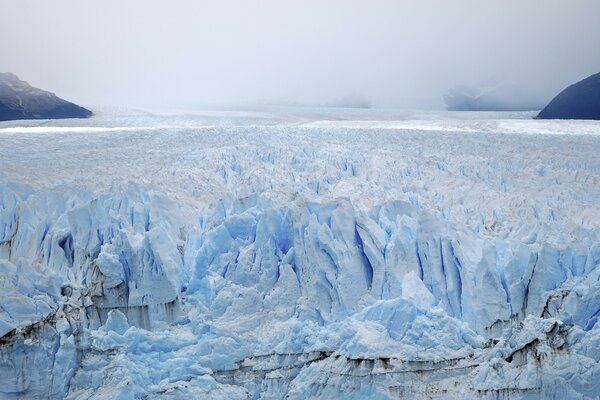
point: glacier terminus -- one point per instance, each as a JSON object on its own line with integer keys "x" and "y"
{"x": 300, "y": 255}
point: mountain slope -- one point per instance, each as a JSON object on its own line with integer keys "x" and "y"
{"x": 579, "y": 101}
{"x": 19, "y": 100}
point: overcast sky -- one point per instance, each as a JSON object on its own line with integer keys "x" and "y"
{"x": 185, "y": 54}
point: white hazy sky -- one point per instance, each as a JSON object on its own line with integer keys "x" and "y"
{"x": 185, "y": 54}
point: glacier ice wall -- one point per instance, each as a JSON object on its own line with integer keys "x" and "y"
{"x": 304, "y": 262}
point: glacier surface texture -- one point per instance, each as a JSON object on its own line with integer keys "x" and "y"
{"x": 300, "y": 256}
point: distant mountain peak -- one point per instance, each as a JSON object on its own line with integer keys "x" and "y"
{"x": 20, "y": 100}
{"x": 493, "y": 96}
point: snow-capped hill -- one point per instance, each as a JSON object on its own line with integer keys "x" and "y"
{"x": 498, "y": 97}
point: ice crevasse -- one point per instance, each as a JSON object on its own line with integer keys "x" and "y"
{"x": 130, "y": 293}
{"x": 275, "y": 260}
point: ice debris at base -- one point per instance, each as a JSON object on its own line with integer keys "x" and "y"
{"x": 290, "y": 261}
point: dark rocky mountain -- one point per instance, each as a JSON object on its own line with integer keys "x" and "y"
{"x": 19, "y": 100}
{"x": 579, "y": 101}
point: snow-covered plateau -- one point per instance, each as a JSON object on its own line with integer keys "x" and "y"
{"x": 322, "y": 254}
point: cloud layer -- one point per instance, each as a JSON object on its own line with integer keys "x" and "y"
{"x": 188, "y": 54}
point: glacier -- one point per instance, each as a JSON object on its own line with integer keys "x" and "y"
{"x": 300, "y": 255}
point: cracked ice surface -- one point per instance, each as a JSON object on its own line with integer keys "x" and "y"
{"x": 304, "y": 254}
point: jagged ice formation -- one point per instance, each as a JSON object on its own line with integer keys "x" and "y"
{"x": 262, "y": 257}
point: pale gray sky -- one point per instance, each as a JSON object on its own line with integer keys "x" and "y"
{"x": 185, "y": 54}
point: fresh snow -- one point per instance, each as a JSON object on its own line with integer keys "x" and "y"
{"x": 300, "y": 254}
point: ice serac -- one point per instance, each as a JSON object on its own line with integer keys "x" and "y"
{"x": 68, "y": 260}
{"x": 363, "y": 275}
{"x": 308, "y": 299}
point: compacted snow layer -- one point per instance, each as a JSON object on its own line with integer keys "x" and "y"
{"x": 258, "y": 256}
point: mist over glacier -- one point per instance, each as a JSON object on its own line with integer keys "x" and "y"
{"x": 300, "y": 254}
{"x": 161, "y": 56}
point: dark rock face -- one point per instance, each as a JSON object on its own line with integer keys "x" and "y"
{"x": 505, "y": 97}
{"x": 579, "y": 101}
{"x": 19, "y": 100}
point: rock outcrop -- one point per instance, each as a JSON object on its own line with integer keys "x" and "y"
{"x": 19, "y": 100}
{"x": 579, "y": 101}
